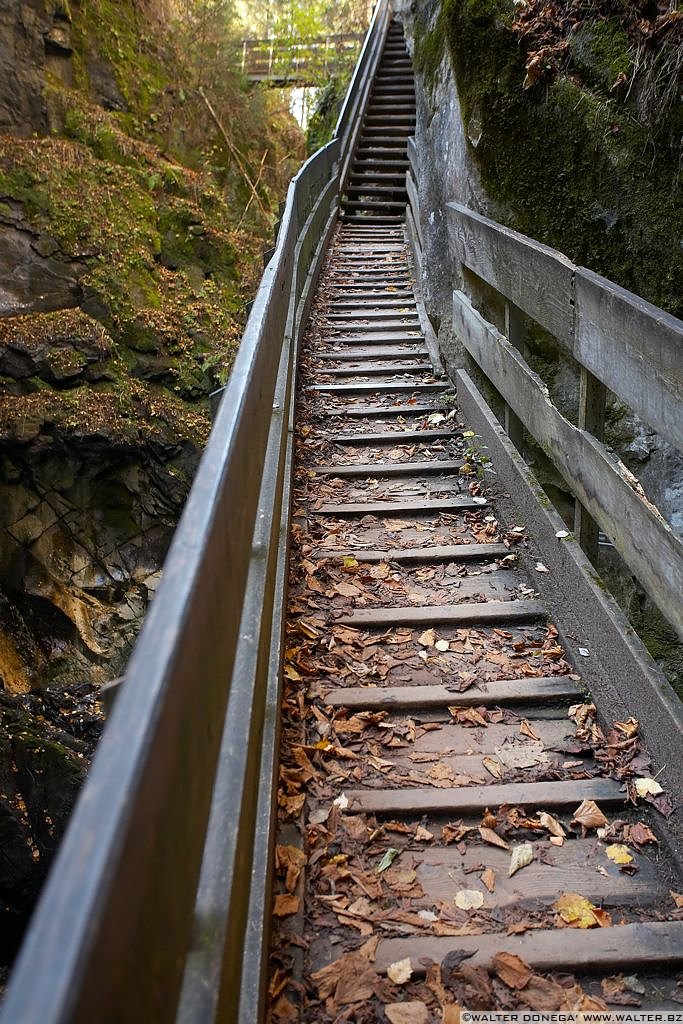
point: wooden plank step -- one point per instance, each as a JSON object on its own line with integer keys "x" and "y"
{"x": 473, "y": 800}
{"x": 396, "y": 437}
{"x": 381, "y": 410}
{"x": 413, "y": 506}
{"x": 637, "y": 946}
{"x": 454, "y": 615}
{"x": 387, "y": 387}
{"x": 441, "y": 872}
{"x": 391, "y": 468}
{"x": 440, "y": 553}
{"x": 379, "y": 352}
{"x": 406, "y": 324}
{"x": 375, "y": 339}
{"x": 366, "y": 304}
{"x": 536, "y": 690}
{"x": 361, "y": 369}
{"x": 351, "y": 218}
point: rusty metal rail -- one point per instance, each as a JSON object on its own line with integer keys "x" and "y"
{"x": 145, "y": 914}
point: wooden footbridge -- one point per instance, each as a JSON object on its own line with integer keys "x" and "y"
{"x": 386, "y": 748}
{"x": 280, "y": 62}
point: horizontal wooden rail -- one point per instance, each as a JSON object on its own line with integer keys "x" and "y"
{"x": 620, "y": 342}
{"x": 156, "y": 908}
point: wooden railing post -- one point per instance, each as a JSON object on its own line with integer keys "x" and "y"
{"x": 591, "y": 417}
{"x": 514, "y": 332}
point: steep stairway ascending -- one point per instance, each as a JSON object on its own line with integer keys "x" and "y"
{"x": 376, "y": 189}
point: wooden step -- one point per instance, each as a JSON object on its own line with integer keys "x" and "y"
{"x": 369, "y": 469}
{"x": 537, "y": 690}
{"x": 376, "y": 352}
{"x": 387, "y": 387}
{"x": 360, "y": 369}
{"x": 440, "y": 553}
{"x": 634, "y": 946}
{"x": 414, "y": 506}
{"x": 474, "y": 800}
{"x": 385, "y": 411}
{"x": 395, "y": 437}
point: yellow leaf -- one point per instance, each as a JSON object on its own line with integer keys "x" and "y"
{"x": 578, "y": 912}
{"x": 350, "y": 562}
{"x": 647, "y": 787}
{"x": 469, "y": 899}
{"x": 618, "y": 853}
{"x": 400, "y": 972}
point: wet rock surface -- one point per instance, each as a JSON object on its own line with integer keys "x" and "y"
{"x": 46, "y": 742}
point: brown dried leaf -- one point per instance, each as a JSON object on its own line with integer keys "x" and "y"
{"x": 522, "y": 856}
{"x": 489, "y": 836}
{"x": 400, "y": 972}
{"x": 542, "y": 994}
{"x": 286, "y": 904}
{"x": 641, "y": 834}
{"x": 588, "y": 815}
{"x": 551, "y": 824}
{"x": 413, "y": 1012}
{"x": 511, "y": 969}
{"x": 488, "y": 877}
{"x": 290, "y": 860}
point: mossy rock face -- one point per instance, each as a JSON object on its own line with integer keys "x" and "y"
{"x": 602, "y": 51}
{"x": 564, "y": 162}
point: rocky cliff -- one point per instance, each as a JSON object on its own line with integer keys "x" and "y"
{"x": 137, "y": 179}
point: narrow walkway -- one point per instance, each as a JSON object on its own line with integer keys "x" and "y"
{"x": 454, "y": 825}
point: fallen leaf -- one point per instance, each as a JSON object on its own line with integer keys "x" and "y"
{"x": 540, "y": 567}
{"x": 489, "y": 836}
{"x": 618, "y": 853}
{"x": 388, "y": 859}
{"x": 629, "y": 728}
{"x": 347, "y": 590}
{"x": 492, "y": 767}
{"x": 407, "y": 1013}
{"x": 641, "y": 834}
{"x": 511, "y": 969}
{"x": 469, "y": 899}
{"x": 423, "y": 835}
{"x": 526, "y": 730}
{"x": 427, "y": 638}
{"x": 557, "y": 840}
{"x": 677, "y": 897}
{"x": 578, "y": 912}
{"x": 290, "y": 860}
{"x": 286, "y": 904}
{"x": 561, "y": 534}
{"x": 584, "y": 652}
{"x": 542, "y": 994}
{"x": 488, "y": 877}
{"x": 342, "y": 802}
{"x": 521, "y": 857}
{"x": 647, "y": 787}
{"x": 442, "y": 645}
{"x": 588, "y": 815}
{"x": 400, "y": 972}
{"x": 552, "y": 825}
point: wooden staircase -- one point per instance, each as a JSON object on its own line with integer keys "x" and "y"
{"x": 376, "y": 189}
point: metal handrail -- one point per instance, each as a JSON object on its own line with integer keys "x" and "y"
{"x": 156, "y": 906}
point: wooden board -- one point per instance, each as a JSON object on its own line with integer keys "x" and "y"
{"x": 634, "y": 348}
{"x": 473, "y": 800}
{"x": 600, "y": 949}
{"x": 382, "y": 508}
{"x": 535, "y": 277}
{"x": 573, "y": 868}
{"x": 462, "y": 614}
{"x": 442, "y": 553}
{"x": 502, "y": 691}
{"x": 391, "y": 468}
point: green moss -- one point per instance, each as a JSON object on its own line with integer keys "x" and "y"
{"x": 601, "y": 50}
{"x": 566, "y": 164}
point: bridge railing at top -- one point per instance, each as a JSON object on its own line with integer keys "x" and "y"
{"x": 295, "y": 60}
{"x": 157, "y": 906}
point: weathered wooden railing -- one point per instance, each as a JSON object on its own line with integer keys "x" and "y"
{"x": 297, "y": 61}
{"x": 621, "y": 343}
{"x": 157, "y": 905}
